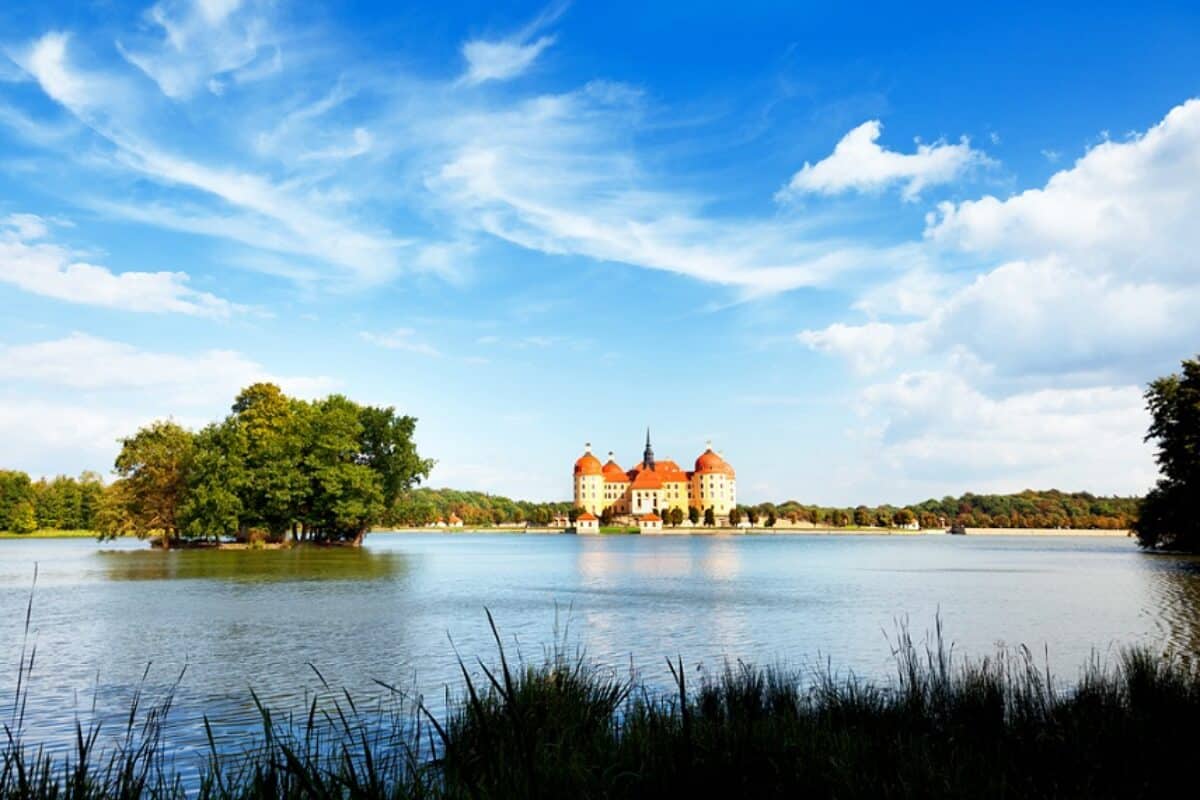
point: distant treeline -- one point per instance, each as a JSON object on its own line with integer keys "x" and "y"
{"x": 62, "y": 503}
{"x": 424, "y": 506}
{"x": 1028, "y": 509}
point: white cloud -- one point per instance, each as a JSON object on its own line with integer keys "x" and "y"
{"x": 501, "y": 60}
{"x": 88, "y": 363}
{"x": 1124, "y": 207}
{"x": 858, "y": 163}
{"x": 79, "y": 394}
{"x": 555, "y": 174}
{"x": 269, "y": 214}
{"x": 201, "y": 41}
{"x": 868, "y": 348}
{"x": 400, "y": 339}
{"x": 1035, "y": 364}
{"x": 505, "y": 59}
{"x": 35, "y": 265}
{"x": 933, "y": 431}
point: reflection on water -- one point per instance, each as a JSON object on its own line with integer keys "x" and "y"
{"x": 1176, "y": 602}
{"x": 296, "y": 564}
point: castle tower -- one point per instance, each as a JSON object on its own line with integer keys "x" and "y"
{"x": 648, "y": 454}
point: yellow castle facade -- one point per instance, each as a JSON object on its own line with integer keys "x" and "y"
{"x": 653, "y": 486}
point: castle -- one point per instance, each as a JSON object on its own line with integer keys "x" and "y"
{"x": 654, "y": 487}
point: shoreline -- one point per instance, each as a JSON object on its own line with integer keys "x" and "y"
{"x": 1031, "y": 532}
{"x": 1040, "y": 532}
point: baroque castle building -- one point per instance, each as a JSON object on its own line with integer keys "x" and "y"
{"x": 654, "y": 486}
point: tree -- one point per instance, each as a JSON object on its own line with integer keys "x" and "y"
{"x": 903, "y": 517}
{"x": 606, "y": 516}
{"x": 676, "y": 517}
{"x": 15, "y": 490}
{"x": 344, "y": 496}
{"x": 389, "y": 450}
{"x": 752, "y": 515}
{"x": 771, "y": 518}
{"x": 1167, "y": 515}
{"x": 862, "y": 517}
{"x": 710, "y": 517}
{"x": 735, "y": 516}
{"x": 23, "y": 518}
{"x": 212, "y": 506}
{"x": 693, "y": 515}
{"x": 267, "y": 445}
{"x": 153, "y": 466}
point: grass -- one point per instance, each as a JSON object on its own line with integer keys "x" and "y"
{"x": 618, "y": 530}
{"x": 564, "y": 728}
{"x": 50, "y": 533}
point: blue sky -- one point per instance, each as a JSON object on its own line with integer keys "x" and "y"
{"x": 873, "y": 254}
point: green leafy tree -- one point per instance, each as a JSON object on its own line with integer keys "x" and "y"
{"x": 23, "y": 518}
{"x": 710, "y": 517}
{"x": 1167, "y": 517}
{"x": 903, "y": 517}
{"x": 771, "y": 519}
{"x": 693, "y": 515}
{"x": 676, "y": 517}
{"x": 153, "y": 466}
{"x": 752, "y": 515}
{"x": 216, "y": 481}
{"x": 606, "y": 516}
{"x": 345, "y": 496}
{"x": 15, "y": 490}
{"x": 267, "y": 442}
{"x": 735, "y": 516}
{"x": 389, "y": 450}
{"x": 862, "y": 516}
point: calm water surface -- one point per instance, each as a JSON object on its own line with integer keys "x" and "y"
{"x": 397, "y": 610}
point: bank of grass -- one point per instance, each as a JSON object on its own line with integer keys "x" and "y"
{"x": 563, "y": 728}
{"x": 618, "y": 530}
{"x": 51, "y": 533}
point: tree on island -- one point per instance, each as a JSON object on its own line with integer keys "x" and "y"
{"x": 324, "y": 471}
{"x": 1167, "y": 516}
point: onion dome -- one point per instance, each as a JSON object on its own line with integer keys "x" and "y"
{"x": 588, "y": 464}
{"x": 613, "y": 472}
{"x": 709, "y": 462}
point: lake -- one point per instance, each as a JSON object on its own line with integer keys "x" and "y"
{"x": 398, "y": 610}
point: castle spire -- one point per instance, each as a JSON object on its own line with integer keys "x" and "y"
{"x": 648, "y": 455}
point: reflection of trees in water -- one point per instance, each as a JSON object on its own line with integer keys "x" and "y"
{"x": 1176, "y": 597}
{"x": 296, "y": 564}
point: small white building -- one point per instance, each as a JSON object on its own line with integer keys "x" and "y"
{"x": 455, "y": 521}
{"x": 587, "y": 522}
{"x": 649, "y": 523}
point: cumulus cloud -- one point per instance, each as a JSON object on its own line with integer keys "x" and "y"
{"x": 1124, "y": 207}
{"x": 1088, "y": 290}
{"x": 928, "y": 425}
{"x": 32, "y": 263}
{"x": 858, "y": 163}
